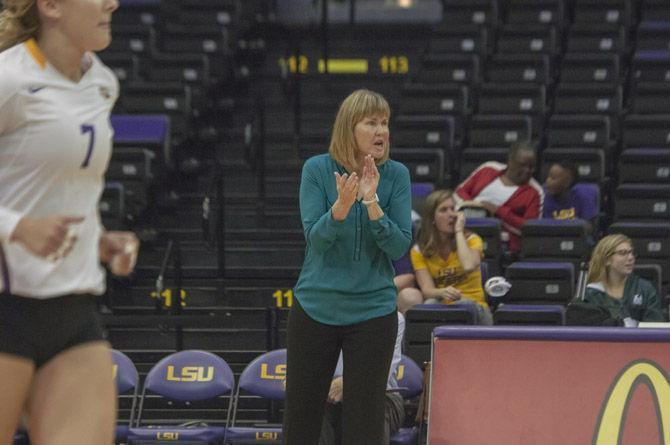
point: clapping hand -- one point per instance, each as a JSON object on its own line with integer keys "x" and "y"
{"x": 347, "y": 191}
{"x": 370, "y": 179}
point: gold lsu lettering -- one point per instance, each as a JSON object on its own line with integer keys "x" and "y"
{"x": 190, "y": 374}
{"x": 267, "y": 435}
{"x": 400, "y": 373}
{"x": 279, "y": 372}
{"x": 167, "y": 436}
{"x": 565, "y": 213}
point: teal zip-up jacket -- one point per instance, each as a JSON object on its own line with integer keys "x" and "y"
{"x": 347, "y": 276}
{"x": 639, "y": 300}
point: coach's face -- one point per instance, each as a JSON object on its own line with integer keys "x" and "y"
{"x": 372, "y": 136}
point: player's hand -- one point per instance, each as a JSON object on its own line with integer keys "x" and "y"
{"x": 336, "y": 389}
{"x": 51, "y": 238}
{"x": 119, "y": 250}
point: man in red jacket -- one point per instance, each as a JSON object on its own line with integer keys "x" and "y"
{"x": 507, "y": 191}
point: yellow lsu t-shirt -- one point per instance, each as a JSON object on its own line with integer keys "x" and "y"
{"x": 449, "y": 272}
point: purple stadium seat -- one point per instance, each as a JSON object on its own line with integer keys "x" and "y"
{"x": 185, "y": 376}
{"x": 529, "y": 314}
{"x": 127, "y": 381}
{"x": 263, "y": 377}
{"x": 410, "y": 382}
{"x": 542, "y": 283}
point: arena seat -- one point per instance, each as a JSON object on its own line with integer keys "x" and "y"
{"x": 112, "y": 205}
{"x": 555, "y": 240}
{"x": 532, "y": 68}
{"x": 515, "y": 98}
{"x": 654, "y": 274}
{"x": 185, "y": 377}
{"x": 654, "y": 10}
{"x": 597, "y": 37}
{"x": 644, "y": 165}
{"x": 591, "y": 67}
{"x": 589, "y": 162}
{"x": 150, "y": 131}
{"x": 650, "y": 98}
{"x": 133, "y": 39}
{"x": 499, "y": 130}
{"x": 410, "y": 381}
{"x": 646, "y": 131}
{"x": 424, "y": 131}
{"x": 478, "y": 12}
{"x": 125, "y": 65}
{"x": 613, "y": 12}
{"x": 589, "y": 131}
{"x": 441, "y": 68}
{"x": 642, "y": 202}
{"x": 650, "y": 65}
{"x": 589, "y": 98}
{"x": 529, "y": 314}
{"x": 489, "y": 230}
{"x": 472, "y": 158}
{"x": 262, "y": 377}
{"x": 424, "y": 164}
{"x": 653, "y": 35}
{"x": 529, "y": 38}
{"x": 423, "y": 318}
{"x": 651, "y": 241}
{"x": 463, "y": 38}
{"x": 438, "y": 99}
{"x": 127, "y": 386}
{"x": 540, "y": 282}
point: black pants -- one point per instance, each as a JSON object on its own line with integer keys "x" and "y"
{"x": 394, "y": 415}
{"x": 313, "y": 349}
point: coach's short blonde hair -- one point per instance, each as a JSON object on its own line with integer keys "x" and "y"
{"x": 356, "y": 107}
{"x": 19, "y": 21}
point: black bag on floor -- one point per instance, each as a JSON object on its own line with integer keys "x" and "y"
{"x": 580, "y": 313}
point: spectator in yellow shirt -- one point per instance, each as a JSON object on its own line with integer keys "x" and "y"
{"x": 446, "y": 259}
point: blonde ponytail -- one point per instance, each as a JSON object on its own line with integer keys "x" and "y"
{"x": 19, "y": 21}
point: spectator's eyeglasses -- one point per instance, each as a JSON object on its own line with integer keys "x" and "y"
{"x": 625, "y": 252}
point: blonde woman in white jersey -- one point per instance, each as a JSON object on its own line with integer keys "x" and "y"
{"x": 55, "y": 144}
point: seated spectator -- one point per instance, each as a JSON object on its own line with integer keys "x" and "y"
{"x": 507, "y": 192}
{"x": 613, "y": 284}
{"x": 404, "y": 273}
{"x": 446, "y": 259}
{"x": 563, "y": 199}
{"x": 394, "y": 403}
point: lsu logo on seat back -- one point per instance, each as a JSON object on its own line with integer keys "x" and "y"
{"x": 190, "y": 374}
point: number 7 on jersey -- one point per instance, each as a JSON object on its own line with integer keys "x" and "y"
{"x": 90, "y": 129}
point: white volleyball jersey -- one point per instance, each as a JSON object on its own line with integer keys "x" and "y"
{"x": 55, "y": 144}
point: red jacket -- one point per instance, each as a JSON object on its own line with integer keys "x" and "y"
{"x": 524, "y": 204}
